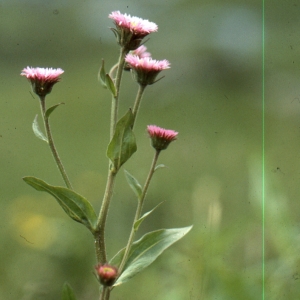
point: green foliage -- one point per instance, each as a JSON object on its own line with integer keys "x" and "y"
{"x": 67, "y": 293}
{"x": 51, "y": 109}
{"x": 134, "y": 184}
{"x": 110, "y": 85}
{"x": 159, "y": 167}
{"x": 37, "y": 131}
{"x": 146, "y": 250}
{"x": 123, "y": 144}
{"x": 76, "y": 206}
{"x": 106, "y": 80}
{"x": 102, "y": 75}
{"x": 138, "y": 222}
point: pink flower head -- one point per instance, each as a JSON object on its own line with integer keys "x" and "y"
{"x": 146, "y": 69}
{"x": 141, "y": 52}
{"x": 107, "y": 274}
{"x": 131, "y": 30}
{"x": 160, "y": 137}
{"x": 42, "y": 79}
{"x": 136, "y": 25}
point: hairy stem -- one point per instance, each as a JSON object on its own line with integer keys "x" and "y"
{"x": 100, "y": 231}
{"x": 105, "y": 293}
{"x": 52, "y": 146}
{"x": 138, "y": 211}
{"x": 137, "y": 102}
{"x": 115, "y": 99}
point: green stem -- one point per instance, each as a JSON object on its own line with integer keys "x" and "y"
{"x": 105, "y": 293}
{"x": 115, "y": 99}
{"x": 100, "y": 231}
{"x": 52, "y": 146}
{"x": 112, "y": 70}
{"x": 138, "y": 211}
{"x": 137, "y": 102}
{"x": 99, "y": 234}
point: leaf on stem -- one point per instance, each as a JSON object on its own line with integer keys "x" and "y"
{"x": 51, "y": 109}
{"x": 134, "y": 184}
{"x": 160, "y": 167}
{"x": 123, "y": 144}
{"x": 37, "y": 131}
{"x": 106, "y": 80}
{"x": 67, "y": 293}
{"x": 76, "y": 206}
{"x": 110, "y": 85}
{"x": 102, "y": 75}
{"x": 138, "y": 222}
{"x": 146, "y": 250}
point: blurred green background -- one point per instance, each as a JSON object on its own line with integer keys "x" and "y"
{"x": 212, "y": 95}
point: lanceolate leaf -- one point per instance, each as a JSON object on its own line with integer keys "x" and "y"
{"x": 51, "y": 109}
{"x": 67, "y": 293}
{"x": 159, "y": 167}
{"x": 110, "y": 85}
{"x": 102, "y": 75}
{"x": 123, "y": 144}
{"x": 134, "y": 184}
{"x": 37, "y": 131}
{"x": 138, "y": 222}
{"x": 146, "y": 250}
{"x": 76, "y": 206}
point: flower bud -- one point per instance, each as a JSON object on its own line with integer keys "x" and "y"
{"x": 160, "y": 137}
{"x": 107, "y": 274}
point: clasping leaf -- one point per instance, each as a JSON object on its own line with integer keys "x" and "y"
{"x": 37, "y": 131}
{"x": 138, "y": 222}
{"x": 123, "y": 144}
{"x": 67, "y": 293}
{"x": 144, "y": 251}
{"x": 51, "y": 109}
{"x": 134, "y": 184}
{"x": 76, "y": 206}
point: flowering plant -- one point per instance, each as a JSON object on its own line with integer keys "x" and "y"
{"x": 136, "y": 255}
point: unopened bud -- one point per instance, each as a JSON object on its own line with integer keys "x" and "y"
{"x": 107, "y": 274}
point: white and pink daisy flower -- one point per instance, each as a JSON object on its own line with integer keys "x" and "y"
{"x": 42, "y": 79}
{"x": 130, "y": 30}
{"x": 136, "y": 25}
{"x": 141, "y": 52}
{"x": 160, "y": 137}
{"x": 146, "y": 69}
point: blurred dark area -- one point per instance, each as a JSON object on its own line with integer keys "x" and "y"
{"x": 220, "y": 176}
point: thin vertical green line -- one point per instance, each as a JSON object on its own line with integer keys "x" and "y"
{"x": 263, "y": 149}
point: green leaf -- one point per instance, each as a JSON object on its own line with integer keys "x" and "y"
{"x": 102, "y": 75}
{"x": 159, "y": 167}
{"x": 146, "y": 250}
{"x": 116, "y": 33}
{"x": 110, "y": 85}
{"x": 134, "y": 184}
{"x": 67, "y": 293}
{"x": 37, "y": 131}
{"x": 106, "y": 80}
{"x": 76, "y": 206}
{"x": 138, "y": 222}
{"x": 123, "y": 144}
{"x": 51, "y": 109}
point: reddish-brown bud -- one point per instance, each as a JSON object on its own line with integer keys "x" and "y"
{"x": 107, "y": 274}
